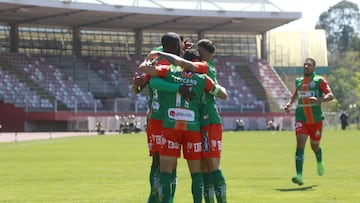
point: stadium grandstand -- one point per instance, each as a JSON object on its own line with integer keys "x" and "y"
{"x": 68, "y": 64}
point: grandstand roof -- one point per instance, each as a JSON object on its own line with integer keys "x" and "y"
{"x": 68, "y": 13}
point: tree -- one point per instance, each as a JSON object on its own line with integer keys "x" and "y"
{"x": 341, "y": 23}
{"x": 344, "y": 78}
{"x": 357, "y": 89}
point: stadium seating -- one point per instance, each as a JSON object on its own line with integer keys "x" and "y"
{"x": 271, "y": 81}
{"x": 240, "y": 95}
{"x": 53, "y": 80}
{"x": 19, "y": 94}
{"x": 118, "y": 71}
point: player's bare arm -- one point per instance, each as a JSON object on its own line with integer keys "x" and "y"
{"x": 165, "y": 86}
{"x": 187, "y": 44}
{"x": 215, "y": 89}
{"x": 326, "y": 98}
{"x": 139, "y": 82}
{"x": 174, "y": 59}
{"x": 147, "y": 67}
{"x": 293, "y": 98}
{"x": 219, "y": 91}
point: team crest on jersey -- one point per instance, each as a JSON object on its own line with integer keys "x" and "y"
{"x": 298, "y": 125}
{"x": 312, "y": 84}
{"x": 186, "y": 74}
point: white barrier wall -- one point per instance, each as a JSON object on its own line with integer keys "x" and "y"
{"x": 112, "y": 124}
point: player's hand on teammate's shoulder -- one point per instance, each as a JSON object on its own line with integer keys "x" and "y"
{"x": 187, "y": 44}
{"x": 153, "y": 55}
{"x": 145, "y": 64}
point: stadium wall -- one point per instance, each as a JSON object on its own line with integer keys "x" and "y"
{"x": 15, "y": 119}
{"x": 86, "y": 122}
{"x": 252, "y": 121}
{"x": 12, "y": 119}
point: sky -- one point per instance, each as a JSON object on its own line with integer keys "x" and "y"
{"x": 311, "y": 10}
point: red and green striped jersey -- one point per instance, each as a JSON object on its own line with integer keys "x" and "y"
{"x": 209, "y": 111}
{"x": 155, "y": 110}
{"x": 182, "y": 114}
{"x": 310, "y": 86}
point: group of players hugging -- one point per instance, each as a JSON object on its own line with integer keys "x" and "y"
{"x": 182, "y": 116}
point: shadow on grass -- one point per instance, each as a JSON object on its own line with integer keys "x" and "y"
{"x": 296, "y": 189}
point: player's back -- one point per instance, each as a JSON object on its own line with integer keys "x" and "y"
{"x": 181, "y": 112}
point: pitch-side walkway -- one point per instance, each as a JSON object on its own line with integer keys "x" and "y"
{"x": 25, "y": 136}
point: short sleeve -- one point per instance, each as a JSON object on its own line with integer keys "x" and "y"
{"x": 324, "y": 86}
{"x": 201, "y": 67}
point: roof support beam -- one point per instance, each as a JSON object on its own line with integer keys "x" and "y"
{"x": 215, "y": 26}
{"x": 107, "y": 20}
{"x": 50, "y": 16}
{"x": 162, "y": 23}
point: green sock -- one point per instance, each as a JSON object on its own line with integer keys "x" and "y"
{"x": 173, "y": 185}
{"x": 318, "y": 155}
{"x": 154, "y": 184}
{"x": 299, "y": 161}
{"x": 164, "y": 187}
{"x": 219, "y": 186}
{"x": 208, "y": 188}
{"x": 197, "y": 187}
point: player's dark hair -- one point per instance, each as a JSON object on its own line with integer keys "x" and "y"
{"x": 312, "y": 60}
{"x": 192, "y": 55}
{"x": 171, "y": 43}
{"x": 207, "y": 44}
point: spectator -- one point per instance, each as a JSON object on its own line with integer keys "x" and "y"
{"x": 131, "y": 119}
{"x": 270, "y": 125}
{"x": 121, "y": 123}
{"x": 98, "y": 128}
{"x": 344, "y": 117}
{"x": 239, "y": 125}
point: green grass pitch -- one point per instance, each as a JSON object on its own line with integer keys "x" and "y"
{"x": 258, "y": 166}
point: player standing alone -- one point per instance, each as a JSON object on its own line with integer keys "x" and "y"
{"x": 311, "y": 90}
